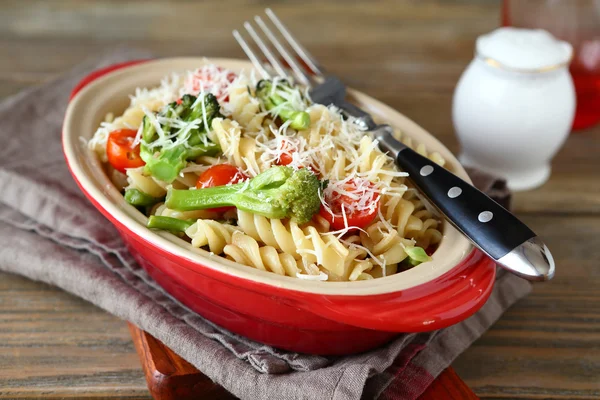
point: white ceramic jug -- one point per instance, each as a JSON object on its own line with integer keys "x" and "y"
{"x": 514, "y": 105}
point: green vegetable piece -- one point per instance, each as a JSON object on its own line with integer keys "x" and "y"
{"x": 138, "y": 198}
{"x": 166, "y": 162}
{"x": 279, "y": 192}
{"x": 273, "y": 98}
{"x": 208, "y": 149}
{"x": 148, "y": 130}
{"x": 300, "y": 119}
{"x": 417, "y": 255}
{"x": 169, "y": 224}
{"x": 166, "y": 165}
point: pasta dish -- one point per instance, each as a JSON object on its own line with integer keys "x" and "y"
{"x": 253, "y": 171}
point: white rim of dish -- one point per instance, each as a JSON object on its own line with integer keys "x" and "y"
{"x": 118, "y": 85}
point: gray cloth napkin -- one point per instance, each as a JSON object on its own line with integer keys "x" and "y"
{"x": 51, "y": 233}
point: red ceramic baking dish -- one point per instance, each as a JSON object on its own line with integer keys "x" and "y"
{"x": 289, "y": 313}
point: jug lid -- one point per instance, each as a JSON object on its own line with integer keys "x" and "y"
{"x": 523, "y": 50}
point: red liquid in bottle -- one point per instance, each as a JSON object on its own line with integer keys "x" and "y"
{"x": 587, "y": 89}
{"x": 585, "y": 70}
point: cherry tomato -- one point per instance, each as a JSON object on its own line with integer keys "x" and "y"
{"x": 205, "y": 79}
{"x": 120, "y": 150}
{"x": 220, "y": 175}
{"x": 286, "y": 150}
{"x": 284, "y": 159}
{"x": 359, "y": 218}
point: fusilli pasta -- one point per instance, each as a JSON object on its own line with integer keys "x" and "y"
{"x": 240, "y": 151}
{"x": 253, "y": 137}
{"x": 246, "y": 250}
{"x": 213, "y": 234}
{"x": 245, "y": 108}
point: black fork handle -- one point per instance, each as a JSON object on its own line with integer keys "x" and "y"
{"x": 491, "y": 227}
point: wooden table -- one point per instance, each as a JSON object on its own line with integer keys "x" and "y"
{"x": 53, "y": 345}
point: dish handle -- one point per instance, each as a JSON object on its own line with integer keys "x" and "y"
{"x": 445, "y": 301}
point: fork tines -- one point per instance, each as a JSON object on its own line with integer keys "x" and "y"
{"x": 302, "y": 64}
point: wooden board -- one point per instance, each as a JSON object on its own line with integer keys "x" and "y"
{"x": 170, "y": 377}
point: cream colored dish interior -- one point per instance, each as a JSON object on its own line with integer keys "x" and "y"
{"x": 111, "y": 94}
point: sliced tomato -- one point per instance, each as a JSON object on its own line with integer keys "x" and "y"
{"x": 206, "y": 79}
{"x": 341, "y": 203}
{"x": 284, "y": 159}
{"x": 286, "y": 150}
{"x": 121, "y": 152}
{"x": 220, "y": 175}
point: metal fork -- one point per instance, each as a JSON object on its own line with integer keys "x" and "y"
{"x": 493, "y": 229}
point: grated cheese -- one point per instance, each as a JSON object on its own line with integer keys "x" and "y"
{"x": 321, "y": 277}
{"x": 209, "y": 78}
{"x": 336, "y": 148}
{"x": 364, "y": 193}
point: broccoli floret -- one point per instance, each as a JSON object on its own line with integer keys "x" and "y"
{"x": 279, "y": 192}
{"x": 166, "y": 160}
{"x": 276, "y": 99}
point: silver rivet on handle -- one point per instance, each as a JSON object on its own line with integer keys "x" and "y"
{"x": 426, "y": 170}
